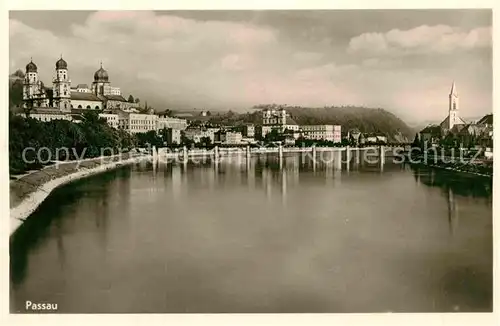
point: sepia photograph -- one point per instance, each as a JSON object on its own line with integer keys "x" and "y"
{"x": 250, "y": 161}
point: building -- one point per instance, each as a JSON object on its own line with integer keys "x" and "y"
{"x": 34, "y": 93}
{"x": 111, "y": 119}
{"x": 337, "y": 134}
{"x": 173, "y": 136}
{"x": 249, "y": 130}
{"x": 231, "y": 137}
{"x": 322, "y": 132}
{"x": 116, "y": 102}
{"x": 115, "y": 91}
{"x": 82, "y": 88}
{"x": 277, "y": 118}
{"x": 61, "y": 93}
{"x": 354, "y": 136}
{"x": 274, "y": 116}
{"x": 375, "y": 139}
{"x": 62, "y": 96}
{"x": 165, "y": 121}
{"x": 101, "y": 84}
{"x": 196, "y": 134}
{"x": 453, "y": 117}
{"x": 136, "y": 122}
{"x": 46, "y": 114}
{"x": 85, "y": 100}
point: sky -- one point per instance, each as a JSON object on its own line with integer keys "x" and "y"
{"x": 401, "y": 60}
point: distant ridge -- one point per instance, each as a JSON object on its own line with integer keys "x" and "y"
{"x": 367, "y": 120}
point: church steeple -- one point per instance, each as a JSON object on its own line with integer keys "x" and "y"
{"x": 454, "y": 89}
{"x": 453, "y": 109}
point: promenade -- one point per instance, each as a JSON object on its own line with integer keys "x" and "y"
{"x": 30, "y": 190}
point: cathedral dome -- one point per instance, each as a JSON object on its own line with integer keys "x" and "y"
{"x": 31, "y": 67}
{"x": 101, "y": 75}
{"x": 61, "y": 64}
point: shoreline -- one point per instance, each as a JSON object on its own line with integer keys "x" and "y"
{"x": 30, "y": 201}
{"x": 26, "y": 196}
{"x": 460, "y": 171}
{"x": 455, "y": 170}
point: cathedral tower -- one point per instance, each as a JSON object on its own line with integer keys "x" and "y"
{"x": 101, "y": 85}
{"x": 62, "y": 87}
{"x": 34, "y": 94}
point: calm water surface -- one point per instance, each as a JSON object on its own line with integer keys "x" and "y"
{"x": 256, "y": 238}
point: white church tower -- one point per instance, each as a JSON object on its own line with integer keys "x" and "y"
{"x": 453, "y": 117}
{"x": 34, "y": 95}
{"x": 62, "y": 87}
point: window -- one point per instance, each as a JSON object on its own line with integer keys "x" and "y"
{"x": 88, "y": 106}
{"x": 65, "y": 105}
{"x": 97, "y": 107}
{"x": 65, "y": 93}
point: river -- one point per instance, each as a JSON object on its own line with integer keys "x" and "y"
{"x": 253, "y": 237}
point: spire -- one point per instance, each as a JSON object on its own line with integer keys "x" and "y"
{"x": 453, "y": 89}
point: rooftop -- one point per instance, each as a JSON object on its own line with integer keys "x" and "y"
{"x": 84, "y": 96}
{"x": 290, "y": 121}
{"x": 115, "y": 98}
{"x": 487, "y": 119}
{"x": 46, "y": 110}
{"x": 431, "y": 129}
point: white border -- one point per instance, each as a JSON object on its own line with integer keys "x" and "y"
{"x": 231, "y": 319}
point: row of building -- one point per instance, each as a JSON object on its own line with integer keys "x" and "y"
{"x": 279, "y": 120}
{"x": 64, "y": 102}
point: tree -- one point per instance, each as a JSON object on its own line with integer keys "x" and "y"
{"x": 130, "y": 99}
{"x": 186, "y": 141}
{"x": 274, "y": 135}
{"x": 19, "y": 73}
{"x": 416, "y": 141}
{"x": 137, "y": 100}
{"x": 205, "y": 141}
{"x": 16, "y": 93}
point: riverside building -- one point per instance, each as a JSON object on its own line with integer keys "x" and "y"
{"x": 322, "y": 132}
{"x": 277, "y": 119}
{"x": 166, "y": 122}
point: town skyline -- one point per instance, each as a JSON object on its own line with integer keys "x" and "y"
{"x": 404, "y": 66}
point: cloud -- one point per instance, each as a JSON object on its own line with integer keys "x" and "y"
{"x": 421, "y": 40}
{"x": 183, "y": 63}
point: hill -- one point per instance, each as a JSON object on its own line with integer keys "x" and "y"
{"x": 367, "y": 120}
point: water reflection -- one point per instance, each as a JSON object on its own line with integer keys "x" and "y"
{"x": 460, "y": 183}
{"x": 452, "y": 185}
{"x": 31, "y": 236}
{"x": 259, "y": 236}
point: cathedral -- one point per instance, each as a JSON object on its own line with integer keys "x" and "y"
{"x": 64, "y": 98}
{"x": 453, "y": 119}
